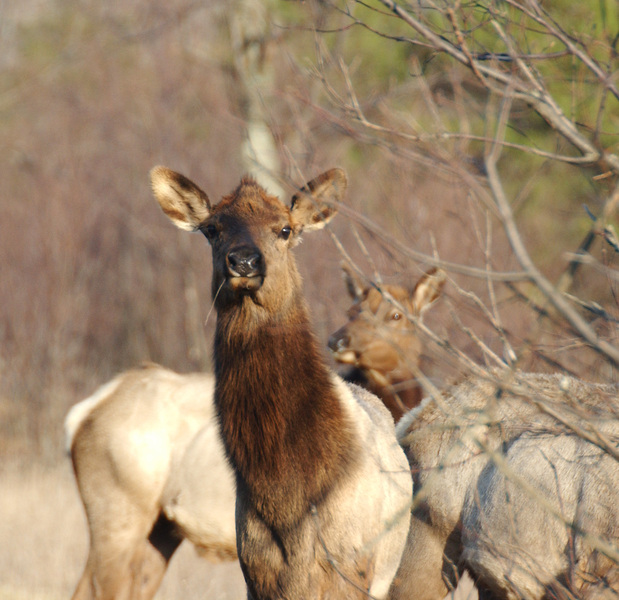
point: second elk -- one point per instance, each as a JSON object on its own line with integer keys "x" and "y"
{"x": 322, "y": 487}
{"x": 517, "y": 481}
{"x": 381, "y": 343}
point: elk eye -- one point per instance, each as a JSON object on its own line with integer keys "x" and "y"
{"x": 285, "y": 232}
{"x": 210, "y": 231}
{"x": 396, "y": 316}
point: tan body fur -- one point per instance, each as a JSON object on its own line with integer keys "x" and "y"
{"x": 134, "y": 445}
{"x": 463, "y": 518}
{"x": 518, "y": 548}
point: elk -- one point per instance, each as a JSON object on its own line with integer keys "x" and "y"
{"x": 530, "y": 541}
{"x": 151, "y": 470}
{"x": 322, "y": 487}
{"x": 189, "y": 493}
{"x": 380, "y": 343}
{"x": 539, "y": 525}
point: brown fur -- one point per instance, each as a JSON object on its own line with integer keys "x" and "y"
{"x": 318, "y": 511}
{"x": 294, "y": 450}
{"x": 102, "y": 446}
{"x": 381, "y": 343}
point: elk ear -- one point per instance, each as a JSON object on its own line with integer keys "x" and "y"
{"x": 314, "y": 205}
{"x": 427, "y": 290}
{"x": 182, "y": 200}
{"x": 354, "y": 285}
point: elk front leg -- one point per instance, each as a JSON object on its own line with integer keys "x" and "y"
{"x": 151, "y": 562}
{"x": 428, "y": 570}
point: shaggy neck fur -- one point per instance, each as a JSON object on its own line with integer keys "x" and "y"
{"x": 283, "y": 427}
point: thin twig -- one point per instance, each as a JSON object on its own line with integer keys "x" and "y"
{"x": 554, "y": 297}
{"x": 537, "y": 98}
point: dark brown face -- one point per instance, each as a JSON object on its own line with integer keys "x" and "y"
{"x": 251, "y": 234}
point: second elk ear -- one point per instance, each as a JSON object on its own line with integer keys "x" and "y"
{"x": 354, "y": 284}
{"x": 427, "y": 290}
{"x": 315, "y": 204}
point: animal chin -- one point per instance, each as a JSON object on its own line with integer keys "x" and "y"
{"x": 245, "y": 284}
{"x": 347, "y": 357}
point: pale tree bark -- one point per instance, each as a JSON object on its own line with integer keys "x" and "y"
{"x": 252, "y": 41}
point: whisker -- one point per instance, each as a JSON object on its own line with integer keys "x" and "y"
{"x": 208, "y": 316}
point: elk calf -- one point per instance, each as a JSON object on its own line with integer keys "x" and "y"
{"x": 472, "y": 449}
{"x": 379, "y": 341}
{"x": 323, "y": 489}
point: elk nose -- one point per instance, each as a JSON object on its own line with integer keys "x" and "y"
{"x": 338, "y": 342}
{"x": 245, "y": 261}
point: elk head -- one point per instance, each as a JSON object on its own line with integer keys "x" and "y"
{"x": 379, "y": 339}
{"x": 250, "y": 233}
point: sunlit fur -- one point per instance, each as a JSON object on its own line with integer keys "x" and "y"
{"x": 113, "y": 473}
{"x": 469, "y": 517}
{"x": 323, "y": 489}
{"x": 151, "y": 471}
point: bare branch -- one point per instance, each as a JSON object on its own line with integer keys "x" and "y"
{"x": 555, "y": 298}
{"x": 534, "y": 95}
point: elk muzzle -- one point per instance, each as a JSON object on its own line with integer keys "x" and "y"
{"x": 339, "y": 344}
{"x": 245, "y": 268}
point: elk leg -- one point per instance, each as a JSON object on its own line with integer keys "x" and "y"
{"x": 420, "y": 574}
{"x": 155, "y": 555}
{"x": 119, "y": 529}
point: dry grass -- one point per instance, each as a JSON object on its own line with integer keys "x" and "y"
{"x": 44, "y": 542}
{"x": 43, "y": 538}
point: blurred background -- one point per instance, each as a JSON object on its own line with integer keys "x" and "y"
{"x": 95, "y": 280}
